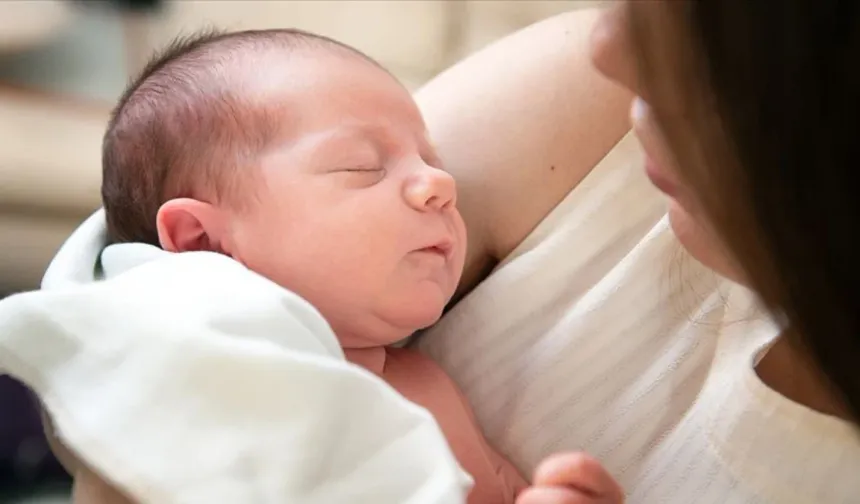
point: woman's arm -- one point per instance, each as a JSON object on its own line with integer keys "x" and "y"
{"x": 520, "y": 124}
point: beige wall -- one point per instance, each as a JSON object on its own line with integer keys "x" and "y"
{"x": 414, "y": 38}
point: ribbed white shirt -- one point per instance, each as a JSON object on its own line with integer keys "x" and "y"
{"x": 599, "y": 333}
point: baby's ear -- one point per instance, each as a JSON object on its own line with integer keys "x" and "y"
{"x": 190, "y": 225}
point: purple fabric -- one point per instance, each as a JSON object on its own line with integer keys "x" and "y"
{"x": 19, "y": 419}
{"x": 24, "y": 452}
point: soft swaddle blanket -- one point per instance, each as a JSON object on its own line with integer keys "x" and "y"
{"x": 186, "y": 378}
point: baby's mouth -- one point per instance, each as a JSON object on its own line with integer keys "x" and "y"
{"x": 442, "y": 249}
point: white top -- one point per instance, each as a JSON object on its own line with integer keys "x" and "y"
{"x": 188, "y": 379}
{"x": 600, "y": 333}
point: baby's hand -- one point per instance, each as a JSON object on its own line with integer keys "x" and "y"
{"x": 571, "y": 478}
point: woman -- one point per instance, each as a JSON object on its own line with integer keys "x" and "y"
{"x": 596, "y": 332}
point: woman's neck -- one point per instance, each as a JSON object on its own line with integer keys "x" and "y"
{"x": 793, "y": 375}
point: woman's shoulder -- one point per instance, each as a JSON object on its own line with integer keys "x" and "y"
{"x": 519, "y": 124}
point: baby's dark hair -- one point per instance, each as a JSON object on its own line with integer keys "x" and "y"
{"x": 183, "y": 129}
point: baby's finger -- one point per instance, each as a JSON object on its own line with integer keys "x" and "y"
{"x": 579, "y": 471}
{"x": 553, "y": 495}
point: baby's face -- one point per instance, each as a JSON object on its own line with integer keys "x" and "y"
{"x": 353, "y": 210}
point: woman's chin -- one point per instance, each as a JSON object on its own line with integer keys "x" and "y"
{"x": 701, "y": 242}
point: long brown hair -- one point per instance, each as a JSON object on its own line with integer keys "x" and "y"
{"x": 760, "y": 102}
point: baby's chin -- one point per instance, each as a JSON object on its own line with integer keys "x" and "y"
{"x": 385, "y": 333}
{"x": 416, "y": 318}
{"x": 390, "y": 321}
{"x": 407, "y": 318}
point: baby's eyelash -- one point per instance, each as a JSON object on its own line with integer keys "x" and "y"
{"x": 360, "y": 170}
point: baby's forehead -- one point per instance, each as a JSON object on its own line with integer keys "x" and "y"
{"x": 271, "y": 68}
{"x": 263, "y": 85}
{"x": 275, "y": 99}
{"x": 322, "y": 88}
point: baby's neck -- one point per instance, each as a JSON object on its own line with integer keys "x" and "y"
{"x": 371, "y": 358}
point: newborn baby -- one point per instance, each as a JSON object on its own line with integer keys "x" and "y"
{"x": 310, "y": 164}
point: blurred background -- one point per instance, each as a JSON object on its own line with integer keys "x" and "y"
{"x": 64, "y": 62}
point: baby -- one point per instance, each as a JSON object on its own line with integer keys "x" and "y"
{"x": 307, "y": 162}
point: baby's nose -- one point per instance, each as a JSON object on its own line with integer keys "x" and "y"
{"x": 431, "y": 189}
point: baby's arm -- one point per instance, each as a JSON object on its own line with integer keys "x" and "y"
{"x": 571, "y": 478}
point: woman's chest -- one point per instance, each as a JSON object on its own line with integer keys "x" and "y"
{"x": 592, "y": 378}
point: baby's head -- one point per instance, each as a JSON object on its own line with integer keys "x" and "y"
{"x": 302, "y": 159}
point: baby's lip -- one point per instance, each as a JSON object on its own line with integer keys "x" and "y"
{"x": 443, "y": 247}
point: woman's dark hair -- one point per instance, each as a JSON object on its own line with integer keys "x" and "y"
{"x": 760, "y": 102}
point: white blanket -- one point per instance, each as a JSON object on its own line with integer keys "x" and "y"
{"x": 186, "y": 378}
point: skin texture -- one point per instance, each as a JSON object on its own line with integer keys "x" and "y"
{"x": 518, "y": 125}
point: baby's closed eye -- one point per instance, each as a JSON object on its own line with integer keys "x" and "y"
{"x": 361, "y": 176}
{"x": 361, "y": 170}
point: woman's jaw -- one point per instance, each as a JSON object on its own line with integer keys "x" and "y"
{"x": 688, "y": 223}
